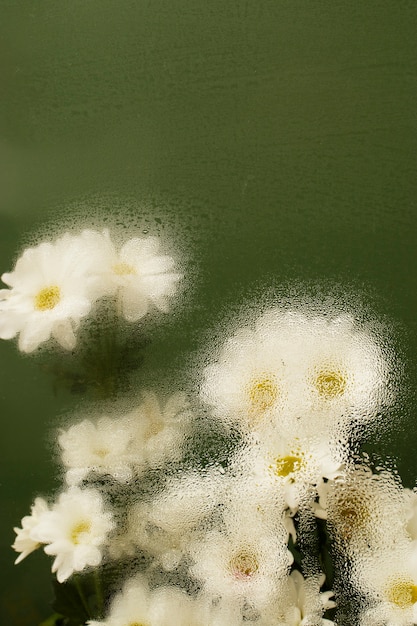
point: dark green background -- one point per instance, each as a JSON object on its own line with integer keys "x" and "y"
{"x": 279, "y": 138}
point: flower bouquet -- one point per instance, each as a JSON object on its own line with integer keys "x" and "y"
{"x": 245, "y": 502}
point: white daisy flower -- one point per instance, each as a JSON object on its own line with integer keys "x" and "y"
{"x": 142, "y": 438}
{"x": 365, "y": 511}
{"x": 411, "y": 512}
{"x": 187, "y": 500}
{"x": 244, "y": 564}
{"x": 345, "y": 370}
{"x": 137, "y": 605}
{"x": 52, "y": 288}
{"x": 300, "y": 603}
{"x": 290, "y": 367}
{"x": 75, "y": 531}
{"x": 24, "y": 542}
{"x": 252, "y": 498}
{"x": 159, "y": 430}
{"x": 294, "y": 466}
{"x": 163, "y": 525}
{"x": 248, "y": 384}
{"x": 389, "y": 582}
{"x": 166, "y": 549}
{"x": 102, "y": 447}
{"x": 136, "y": 273}
{"x": 206, "y": 612}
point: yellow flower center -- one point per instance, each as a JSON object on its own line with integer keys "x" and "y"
{"x": 402, "y": 592}
{"x": 352, "y": 517}
{"x": 244, "y": 565}
{"x": 286, "y": 465}
{"x": 47, "y": 298}
{"x": 101, "y": 452}
{"x": 330, "y": 383}
{"x": 263, "y": 393}
{"x": 123, "y": 269}
{"x": 136, "y": 624}
{"x": 84, "y": 526}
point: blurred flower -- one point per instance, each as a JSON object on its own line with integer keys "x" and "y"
{"x": 244, "y": 564}
{"x": 142, "y": 438}
{"x": 388, "y": 581}
{"x": 411, "y": 512}
{"x": 24, "y": 541}
{"x": 187, "y": 500}
{"x": 252, "y": 498}
{"x": 135, "y": 273}
{"x": 164, "y": 525}
{"x": 300, "y": 371}
{"x": 52, "y": 287}
{"x": 300, "y": 603}
{"x": 293, "y": 467}
{"x": 101, "y": 447}
{"x": 75, "y": 530}
{"x": 249, "y": 382}
{"x": 344, "y": 371}
{"x": 137, "y": 605}
{"x": 159, "y": 429}
{"x": 366, "y": 512}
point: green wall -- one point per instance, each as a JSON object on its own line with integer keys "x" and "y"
{"x": 274, "y": 141}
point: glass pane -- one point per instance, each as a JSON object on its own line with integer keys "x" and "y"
{"x": 269, "y": 148}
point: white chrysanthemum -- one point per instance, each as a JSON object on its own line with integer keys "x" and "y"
{"x": 389, "y": 582}
{"x": 411, "y": 512}
{"x": 243, "y": 564}
{"x": 295, "y": 467}
{"x": 249, "y": 382}
{"x": 187, "y": 500}
{"x": 136, "y": 273}
{"x": 137, "y": 605}
{"x": 365, "y": 511}
{"x": 24, "y": 542}
{"x": 163, "y": 525}
{"x": 292, "y": 366}
{"x": 144, "y": 437}
{"x": 300, "y": 603}
{"x": 76, "y": 530}
{"x": 51, "y": 288}
{"x": 139, "y": 534}
{"x": 159, "y": 430}
{"x": 206, "y": 612}
{"x": 345, "y": 370}
{"x": 102, "y": 447}
{"x": 252, "y": 498}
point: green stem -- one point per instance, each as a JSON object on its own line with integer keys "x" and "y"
{"x": 109, "y": 345}
{"x": 82, "y": 595}
{"x": 99, "y": 593}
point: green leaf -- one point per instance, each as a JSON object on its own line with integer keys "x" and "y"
{"x": 59, "y": 620}
{"x": 53, "y": 620}
{"x": 70, "y": 603}
{"x": 326, "y": 559}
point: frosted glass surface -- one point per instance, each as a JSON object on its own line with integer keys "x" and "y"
{"x": 270, "y": 148}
